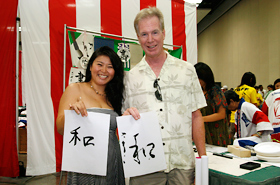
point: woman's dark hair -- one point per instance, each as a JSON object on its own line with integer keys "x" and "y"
{"x": 271, "y": 86}
{"x": 231, "y": 95}
{"x": 114, "y": 89}
{"x": 248, "y": 79}
{"x": 205, "y": 73}
{"x": 275, "y": 82}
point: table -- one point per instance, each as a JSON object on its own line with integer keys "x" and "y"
{"x": 224, "y": 171}
{"x": 266, "y": 176}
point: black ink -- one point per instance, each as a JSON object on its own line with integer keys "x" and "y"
{"x": 89, "y": 139}
{"x": 80, "y": 76}
{"x": 153, "y": 146}
{"x": 75, "y": 137}
{"x": 135, "y": 154}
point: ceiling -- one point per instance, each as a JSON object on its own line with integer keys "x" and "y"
{"x": 205, "y": 7}
{"x": 209, "y": 11}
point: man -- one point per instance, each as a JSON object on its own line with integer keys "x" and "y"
{"x": 261, "y": 90}
{"x": 169, "y": 86}
{"x": 224, "y": 88}
{"x": 249, "y": 120}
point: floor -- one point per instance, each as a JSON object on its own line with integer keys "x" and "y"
{"x": 50, "y": 179}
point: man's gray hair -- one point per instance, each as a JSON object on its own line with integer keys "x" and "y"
{"x": 148, "y": 12}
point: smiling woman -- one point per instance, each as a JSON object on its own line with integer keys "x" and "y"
{"x": 102, "y": 93}
{"x": 102, "y": 72}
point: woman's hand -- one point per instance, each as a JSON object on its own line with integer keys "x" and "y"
{"x": 133, "y": 112}
{"x": 79, "y": 107}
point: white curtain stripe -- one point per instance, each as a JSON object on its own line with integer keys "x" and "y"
{"x": 166, "y": 9}
{"x": 191, "y": 32}
{"x": 129, "y": 10}
{"x": 37, "y": 80}
{"x": 88, "y": 15}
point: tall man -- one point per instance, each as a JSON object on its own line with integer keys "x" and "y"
{"x": 169, "y": 86}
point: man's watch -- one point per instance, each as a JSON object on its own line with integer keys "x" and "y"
{"x": 259, "y": 134}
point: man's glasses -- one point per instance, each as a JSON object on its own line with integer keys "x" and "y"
{"x": 158, "y": 91}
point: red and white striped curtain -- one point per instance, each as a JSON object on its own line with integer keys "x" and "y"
{"x": 42, "y": 23}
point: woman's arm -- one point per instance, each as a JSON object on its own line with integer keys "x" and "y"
{"x": 70, "y": 100}
{"x": 221, "y": 114}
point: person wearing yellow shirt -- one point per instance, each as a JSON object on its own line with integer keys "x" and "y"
{"x": 246, "y": 90}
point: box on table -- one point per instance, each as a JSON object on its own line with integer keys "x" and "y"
{"x": 239, "y": 151}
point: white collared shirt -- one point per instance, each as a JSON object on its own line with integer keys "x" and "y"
{"x": 181, "y": 95}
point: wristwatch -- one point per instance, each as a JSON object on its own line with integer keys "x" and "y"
{"x": 259, "y": 134}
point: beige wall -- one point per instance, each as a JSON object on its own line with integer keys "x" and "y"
{"x": 246, "y": 38}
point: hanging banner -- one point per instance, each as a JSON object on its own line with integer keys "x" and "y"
{"x": 82, "y": 46}
{"x": 77, "y": 75}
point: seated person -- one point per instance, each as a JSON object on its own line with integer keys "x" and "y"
{"x": 249, "y": 120}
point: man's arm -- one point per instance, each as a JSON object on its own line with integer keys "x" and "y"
{"x": 198, "y": 132}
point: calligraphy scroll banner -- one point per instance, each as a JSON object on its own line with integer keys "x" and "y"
{"x": 85, "y": 143}
{"x": 141, "y": 144}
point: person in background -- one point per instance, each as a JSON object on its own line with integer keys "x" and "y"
{"x": 214, "y": 115}
{"x": 249, "y": 120}
{"x": 271, "y": 107}
{"x": 259, "y": 98}
{"x": 270, "y": 88}
{"x": 277, "y": 84}
{"x": 261, "y": 90}
{"x": 170, "y": 87}
{"x": 246, "y": 91}
{"x": 246, "y": 88}
{"x": 224, "y": 88}
{"x": 102, "y": 92}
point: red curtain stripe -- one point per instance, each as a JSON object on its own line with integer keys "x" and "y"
{"x": 8, "y": 157}
{"x": 147, "y": 3}
{"x": 111, "y": 17}
{"x": 178, "y": 25}
{"x": 60, "y": 14}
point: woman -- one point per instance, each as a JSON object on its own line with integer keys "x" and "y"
{"x": 101, "y": 92}
{"x": 247, "y": 91}
{"x": 277, "y": 84}
{"x": 214, "y": 115}
{"x": 246, "y": 88}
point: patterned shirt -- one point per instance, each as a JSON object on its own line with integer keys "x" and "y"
{"x": 181, "y": 95}
{"x": 250, "y": 119}
{"x": 248, "y": 93}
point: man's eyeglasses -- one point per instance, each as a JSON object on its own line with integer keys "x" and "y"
{"x": 158, "y": 91}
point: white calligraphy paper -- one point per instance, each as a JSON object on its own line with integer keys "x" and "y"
{"x": 141, "y": 144}
{"x": 85, "y": 143}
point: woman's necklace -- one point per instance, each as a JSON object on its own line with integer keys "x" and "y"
{"x": 97, "y": 92}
